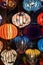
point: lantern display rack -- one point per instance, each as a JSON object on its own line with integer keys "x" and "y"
{"x": 21, "y": 32}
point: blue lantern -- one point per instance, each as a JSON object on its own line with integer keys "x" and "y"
{"x": 40, "y": 45}
{"x": 22, "y": 42}
{"x": 32, "y": 5}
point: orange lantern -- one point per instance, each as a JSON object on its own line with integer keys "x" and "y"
{"x": 1, "y": 45}
{"x": 8, "y": 31}
{"x": 40, "y": 19}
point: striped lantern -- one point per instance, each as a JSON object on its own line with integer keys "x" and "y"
{"x": 1, "y": 46}
{"x": 21, "y": 19}
{"x": 8, "y": 31}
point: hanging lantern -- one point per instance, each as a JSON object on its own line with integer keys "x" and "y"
{"x": 8, "y": 31}
{"x": 21, "y": 19}
{"x": 40, "y": 45}
{"x": 10, "y": 4}
{"x": 1, "y": 46}
{"x": 22, "y": 43}
{"x": 42, "y": 31}
{"x": 8, "y": 56}
{"x": 40, "y": 19}
{"x": 30, "y": 31}
{"x": 32, "y": 5}
{"x": 32, "y": 55}
{"x": 0, "y": 19}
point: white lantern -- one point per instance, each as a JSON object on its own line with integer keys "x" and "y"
{"x": 8, "y": 56}
{"x": 21, "y": 19}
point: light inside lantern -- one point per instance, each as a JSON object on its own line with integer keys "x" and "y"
{"x": 21, "y": 19}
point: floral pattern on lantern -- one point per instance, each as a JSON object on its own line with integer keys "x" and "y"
{"x": 32, "y": 5}
{"x": 8, "y": 31}
{"x": 21, "y": 19}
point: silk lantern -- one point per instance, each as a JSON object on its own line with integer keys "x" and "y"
{"x": 8, "y": 31}
{"x": 8, "y": 56}
{"x": 32, "y": 5}
{"x": 30, "y": 31}
{"x": 22, "y": 43}
{"x": 1, "y": 46}
{"x": 10, "y": 4}
{"x": 32, "y": 55}
{"x": 21, "y": 19}
{"x": 40, "y": 45}
{"x": 40, "y": 19}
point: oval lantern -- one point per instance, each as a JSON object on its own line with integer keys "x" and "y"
{"x": 22, "y": 43}
{"x": 1, "y": 46}
{"x": 32, "y": 5}
{"x": 10, "y": 4}
{"x": 40, "y": 45}
{"x": 40, "y": 19}
{"x": 32, "y": 55}
{"x": 21, "y": 19}
{"x": 30, "y": 31}
{"x": 8, "y": 31}
{"x": 8, "y": 56}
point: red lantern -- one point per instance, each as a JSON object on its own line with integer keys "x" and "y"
{"x": 41, "y": 62}
{"x": 40, "y": 19}
{"x": 8, "y": 31}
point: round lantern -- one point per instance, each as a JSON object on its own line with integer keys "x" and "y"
{"x": 21, "y": 19}
{"x": 8, "y": 56}
{"x": 40, "y": 45}
{"x": 32, "y": 5}
{"x": 10, "y": 4}
{"x": 22, "y": 43}
{"x": 8, "y": 31}
{"x": 0, "y": 19}
{"x": 30, "y": 31}
{"x": 1, "y": 46}
{"x": 40, "y": 19}
{"x": 32, "y": 55}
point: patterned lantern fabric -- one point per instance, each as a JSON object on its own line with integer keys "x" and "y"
{"x": 30, "y": 31}
{"x": 22, "y": 42}
{"x": 1, "y": 46}
{"x": 40, "y": 45}
{"x": 8, "y": 56}
{"x": 31, "y": 52}
{"x": 21, "y": 19}
{"x": 8, "y": 4}
{"x": 32, "y": 5}
{"x": 40, "y": 19}
{"x": 8, "y": 31}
